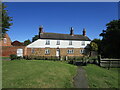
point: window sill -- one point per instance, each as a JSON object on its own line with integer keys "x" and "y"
{"x": 47, "y": 54}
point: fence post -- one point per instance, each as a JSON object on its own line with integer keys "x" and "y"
{"x": 99, "y": 59}
{"x": 109, "y": 64}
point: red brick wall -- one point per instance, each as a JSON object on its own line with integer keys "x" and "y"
{"x": 8, "y": 41}
{"x": 8, "y": 50}
{"x": 63, "y": 52}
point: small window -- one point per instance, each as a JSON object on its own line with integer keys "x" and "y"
{"x": 70, "y": 42}
{"x": 47, "y": 51}
{"x": 70, "y": 51}
{"x": 33, "y": 51}
{"x": 47, "y": 42}
{"x": 83, "y": 43}
{"x": 58, "y": 42}
{"x": 82, "y": 51}
{"x": 5, "y": 40}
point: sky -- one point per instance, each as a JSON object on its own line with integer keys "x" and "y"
{"x": 59, "y": 17}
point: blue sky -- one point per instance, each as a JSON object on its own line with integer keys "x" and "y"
{"x": 59, "y": 17}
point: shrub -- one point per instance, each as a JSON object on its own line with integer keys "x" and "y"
{"x": 13, "y": 56}
{"x": 33, "y": 57}
{"x": 19, "y": 57}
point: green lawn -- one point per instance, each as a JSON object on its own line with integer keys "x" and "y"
{"x": 4, "y": 57}
{"x": 37, "y": 74}
{"x": 101, "y": 77}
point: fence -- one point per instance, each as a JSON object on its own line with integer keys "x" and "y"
{"x": 107, "y": 62}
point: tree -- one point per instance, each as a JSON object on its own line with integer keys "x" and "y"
{"x": 93, "y": 46}
{"x": 35, "y": 38}
{"x": 5, "y": 20}
{"x": 98, "y": 42}
{"x": 110, "y": 42}
{"x": 26, "y": 42}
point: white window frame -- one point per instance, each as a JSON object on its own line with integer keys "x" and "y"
{"x": 70, "y": 42}
{"x": 70, "y": 51}
{"x": 58, "y": 42}
{"x": 47, "y": 51}
{"x": 47, "y": 42}
{"x": 81, "y": 51}
{"x": 83, "y": 43}
{"x": 33, "y": 50}
{"x": 5, "y": 40}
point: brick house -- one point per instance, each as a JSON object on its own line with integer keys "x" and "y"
{"x": 17, "y": 43}
{"x": 6, "y": 47}
{"x": 6, "y": 41}
{"x": 56, "y": 44}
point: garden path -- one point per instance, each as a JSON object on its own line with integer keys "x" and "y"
{"x": 80, "y": 80}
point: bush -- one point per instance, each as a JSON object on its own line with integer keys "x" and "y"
{"x": 33, "y": 57}
{"x": 19, "y": 57}
{"x": 13, "y": 56}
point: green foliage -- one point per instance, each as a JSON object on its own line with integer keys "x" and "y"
{"x": 13, "y": 56}
{"x": 98, "y": 42}
{"x": 5, "y": 20}
{"x": 31, "y": 57}
{"x": 110, "y": 42}
{"x": 35, "y": 38}
{"x": 27, "y": 42}
{"x": 37, "y": 74}
{"x": 94, "y": 46}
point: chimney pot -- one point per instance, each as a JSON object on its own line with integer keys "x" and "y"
{"x": 84, "y": 32}
{"x": 40, "y": 30}
{"x": 72, "y": 31}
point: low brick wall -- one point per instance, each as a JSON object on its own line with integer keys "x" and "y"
{"x": 6, "y": 51}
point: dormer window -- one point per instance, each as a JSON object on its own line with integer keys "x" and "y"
{"x": 5, "y": 40}
{"x": 47, "y": 42}
{"x": 83, "y": 43}
{"x": 70, "y": 42}
{"x": 58, "y": 42}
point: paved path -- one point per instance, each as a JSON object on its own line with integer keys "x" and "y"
{"x": 80, "y": 80}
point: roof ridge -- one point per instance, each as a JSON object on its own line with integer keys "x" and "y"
{"x": 61, "y": 33}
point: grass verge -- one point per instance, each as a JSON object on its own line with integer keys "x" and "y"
{"x": 37, "y": 74}
{"x": 101, "y": 77}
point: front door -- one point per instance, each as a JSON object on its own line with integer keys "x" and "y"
{"x": 20, "y": 52}
{"x": 57, "y": 52}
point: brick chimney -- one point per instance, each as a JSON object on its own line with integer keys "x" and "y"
{"x": 84, "y": 32}
{"x": 40, "y": 30}
{"x": 71, "y": 31}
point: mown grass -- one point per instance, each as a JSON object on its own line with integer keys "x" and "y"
{"x": 99, "y": 77}
{"x": 37, "y": 74}
{"x": 5, "y": 57}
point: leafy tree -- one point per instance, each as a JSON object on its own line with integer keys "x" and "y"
{"x": 5, "y": 20}
{"x": 26, "y": 42}
{"x": 111, "y": 40}
{"x": 93, "y": 46}
{"x": 98, "y": 42}
{"x": 35, "y": 38}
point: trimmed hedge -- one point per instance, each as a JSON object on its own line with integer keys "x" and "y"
{"x": 32, "y": 57}
{"x": 15, "y": 57}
